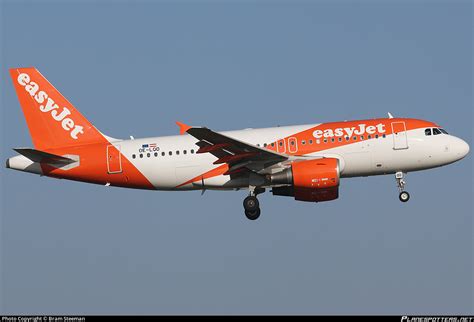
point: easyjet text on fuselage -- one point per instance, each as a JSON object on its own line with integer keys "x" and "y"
{"x": 361, "y": 129}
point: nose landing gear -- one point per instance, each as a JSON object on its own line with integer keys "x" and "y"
{"x": 251, "y": 204}
{"x": 404, "y": 196}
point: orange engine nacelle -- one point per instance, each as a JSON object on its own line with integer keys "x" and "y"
{"x": 312, "y": 180}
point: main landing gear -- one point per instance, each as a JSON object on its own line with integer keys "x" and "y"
{"x": 251, "y": 204}
{"x": 403, "y": 196}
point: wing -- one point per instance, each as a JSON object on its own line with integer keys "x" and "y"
{"x": 235, "y": 153}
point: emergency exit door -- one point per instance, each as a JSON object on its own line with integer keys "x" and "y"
{"x": 281, "y": 146}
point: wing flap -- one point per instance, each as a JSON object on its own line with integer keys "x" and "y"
{"x": 212, "y": 148}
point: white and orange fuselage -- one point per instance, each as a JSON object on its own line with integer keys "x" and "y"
{"x": 203, "y": 159}
{"x": 171, "y": 162}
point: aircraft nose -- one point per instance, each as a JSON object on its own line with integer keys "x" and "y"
{"x": 461, "y": 148}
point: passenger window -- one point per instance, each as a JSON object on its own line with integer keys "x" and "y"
{"x": 332, "y": 140}
{"x": 325, "y": 140}
{"x": 369, "y": 136}
{"x": 354, "y": 138}
{"x": 281, "y": 143}
{"x": 265, "y": 145}
{"x": 347, "y": 138}
{"x": 428, "y": 132}
{"x": 163, "y": 154}
{"x": 148, "y": 155}
{"x": 376, "y": 136}
{"x": 384, "y": 136}
{"x": 340, "y": 139}
{"x": 184, "y": 151}
{"x": 292, "y": 142}
{"x": 303, "y": 142}
{"x": 436, "y": 131}
{"x": 133, "y": 156}
{"x": 310, "y": 141}
{"x": 141, "y": 155}
{"x": 156, "y": 154}
{"x": 170, "y": 153}
{"x": 273, "y": 144}
{"x": 177, "y": 152}
{"x": 192, "y": 151}
{"x": 361, "y": 137}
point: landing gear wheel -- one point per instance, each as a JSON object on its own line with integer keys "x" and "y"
{"x": 251, "y": 204}
{"x": 252, "y": 215}
{"x": 404, "y": 196}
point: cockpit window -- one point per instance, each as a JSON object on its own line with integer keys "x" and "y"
{"x": 436, "y": 131}
{"x": 428, "y": 132}
{"x": 443, "y": 131}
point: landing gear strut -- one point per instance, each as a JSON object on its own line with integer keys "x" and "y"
{"x": 251, "y": 204}
{"x": 400, "y": 178}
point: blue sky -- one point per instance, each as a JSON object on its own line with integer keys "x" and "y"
{"x": 134, "y": 68}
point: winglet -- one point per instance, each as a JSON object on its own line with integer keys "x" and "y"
{"x": 183, "y": 128}
{"x": 390, "y": 116}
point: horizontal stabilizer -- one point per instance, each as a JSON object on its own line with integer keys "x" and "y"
{"x": 45, "y": 157}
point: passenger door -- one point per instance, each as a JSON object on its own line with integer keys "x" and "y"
{"x": 399, "y": 132}
{"x": 114, "y": 161}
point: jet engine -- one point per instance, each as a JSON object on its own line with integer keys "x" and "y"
{"x": 308, "y": 180}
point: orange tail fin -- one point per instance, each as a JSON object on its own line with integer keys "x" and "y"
{"x": 53, "y": 121}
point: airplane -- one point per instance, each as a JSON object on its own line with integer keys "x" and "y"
{"x": 305, "y": 162}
